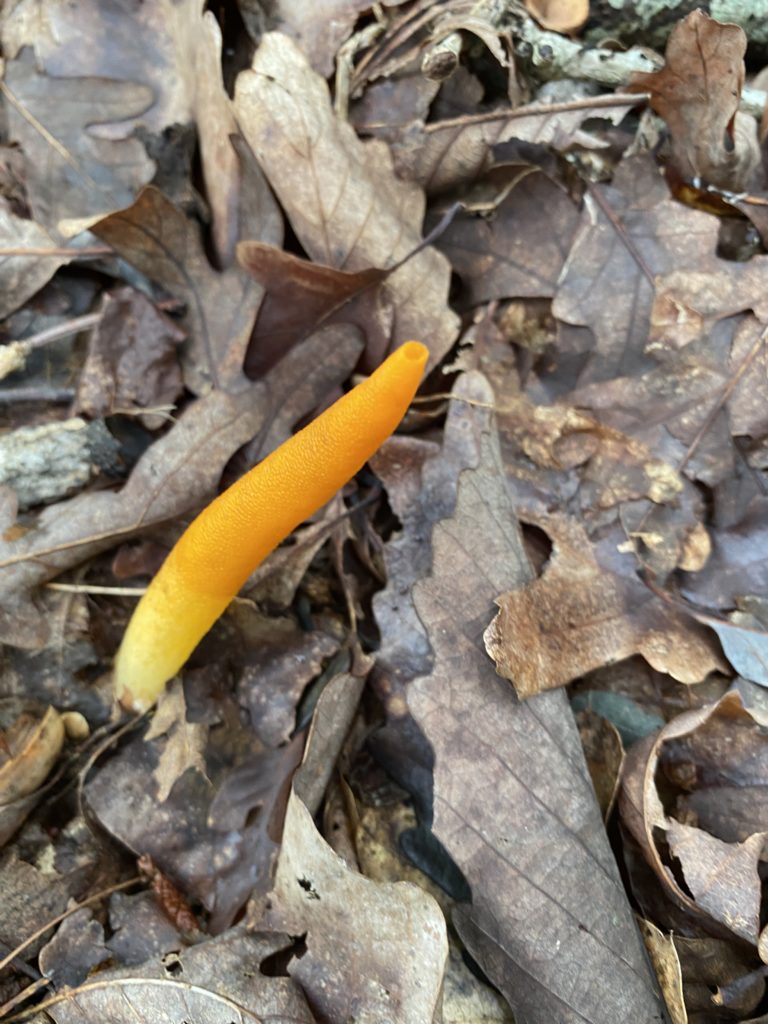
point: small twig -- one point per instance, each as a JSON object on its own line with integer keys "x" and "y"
{"x": 535, "y": 110}
{"x": 447, "y": 396}
{"x": 63, "y": 330}
{"x": 445, "y": 222}
{"x": 42, "y": 393}
{"x": 56, "y": 250}
{"x": 25, "y": 994}
{"x": 92, "y": 588}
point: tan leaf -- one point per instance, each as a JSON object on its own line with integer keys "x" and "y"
{"x": 185, "y": 743}
{"x": 579, "y": 616}
{"x": 29, "y": 748}
{"x": 345, "y": 203}
{"x": 377, "y": 950}
{"x": 697, "y": 93}
{"x": 661, "y": 950}
{"x": 23, "y": 275}
{"x": 513, "y": 801}
{"x": 374, "y": 951}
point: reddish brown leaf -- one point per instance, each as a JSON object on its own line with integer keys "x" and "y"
{"x": 300, "y": 296}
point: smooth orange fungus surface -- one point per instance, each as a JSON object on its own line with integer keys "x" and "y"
{"x": 227, "y": 541}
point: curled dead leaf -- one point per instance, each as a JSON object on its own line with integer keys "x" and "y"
{"x": 559, "y": 15}
{"x": 32, "y": 746}
{"x": 714, "y": 755}
{"x": 29, "y": 748}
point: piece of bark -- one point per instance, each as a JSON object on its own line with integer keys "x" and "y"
{"x": 46, "y": 463}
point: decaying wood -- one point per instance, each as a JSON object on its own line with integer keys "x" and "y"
{"x": 45, "y": 463}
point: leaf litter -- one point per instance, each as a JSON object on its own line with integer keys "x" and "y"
{"x": 359, "y": 779}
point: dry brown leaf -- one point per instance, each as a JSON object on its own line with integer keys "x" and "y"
{"x": 719, "y": 978}
{"x": 697, "y": 93}
{"x": 375, "y": 950}
{"x": 722, "y": 877}
{"x": 580, "y": 615}
{"x": 721, "y": 882}
{"x": 216, "y": 834}
{"x": 194, "y": 38}
{"x": 345, "y": 203}
{"x": 217, "y": 981}
{"x": 729, "y": 796}
{"x": 421, "y": 480}
{"x": 276, "y": 581}
{"x": 513, "y": 802}
{"x": 690, "y": 308}
{"x": 31, "y": 747}
{"x": 175, "y": 53}
{"x": 21, "y": 276}
{"x": 75, "y": 950}
{"x": 131, "y": 359}
{"x": 278, "y": 661}
{"x": 522, "y": 249}
{"x": 140, "y": 930}
{"x": 320, "y": 26}
{"x": 738, "y": 565}
{"x": 159, "y": 240}
{"x": 559, "y": 15}
{"x": 661, "y": 950}
{"x": 185, "y": 741}
{"x": 444, "y": 156}
{"x": 607, "y": 284}
{"x": 605, "y": 756}
{"x": 332, "y": 720}
{"x": 393, "y": 102}
{"x": 73, "y": 175}
{"x": 300, "y": 296}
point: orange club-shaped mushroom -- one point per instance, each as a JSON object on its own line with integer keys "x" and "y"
{"x": 221, "y": 547}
